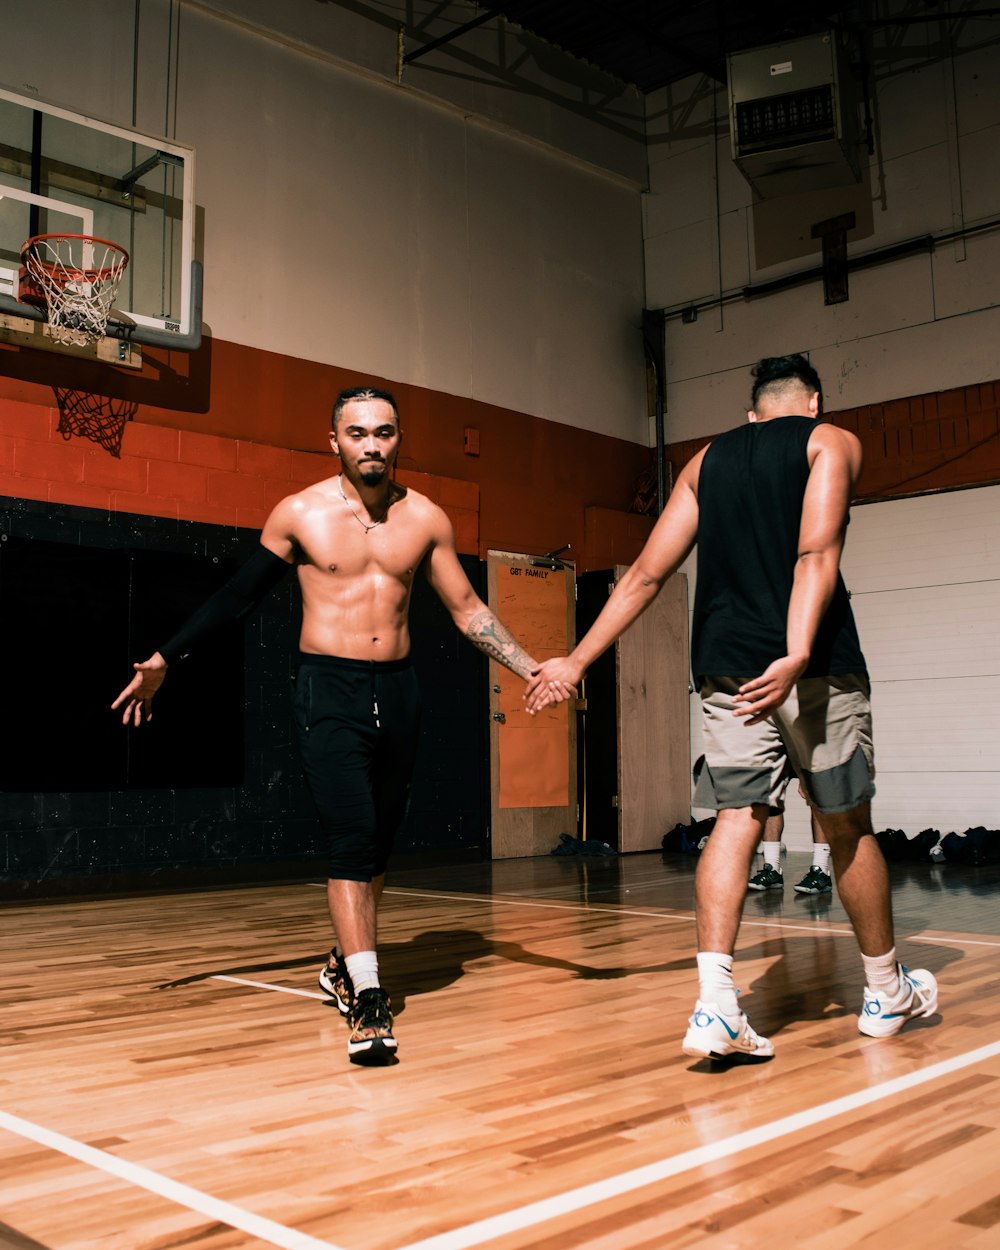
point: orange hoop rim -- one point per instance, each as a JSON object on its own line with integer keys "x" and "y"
{"x": 93, "y": 275}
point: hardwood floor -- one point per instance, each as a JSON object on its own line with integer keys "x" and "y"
{"x": 172, "y": 1076}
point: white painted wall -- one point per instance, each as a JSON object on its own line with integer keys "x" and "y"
{"x": 477, "y": 233}
{"x": 926, "y": 323}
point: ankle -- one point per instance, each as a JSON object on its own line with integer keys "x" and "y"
{"x": 715, "y": 981}
{"x": 362, "y": 968}
{"x": 772, "y": 855}
{"x": 882, "y": 972}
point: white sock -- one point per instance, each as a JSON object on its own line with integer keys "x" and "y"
{"x": 821, "y": 856}
{"x": 881, "y": 972}
{"x": 363, "y": 970}
{"x": 772, "y": 854}
{"x": 715, "y": 980}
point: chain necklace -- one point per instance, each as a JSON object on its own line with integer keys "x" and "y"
{"x": 364, "y": 524}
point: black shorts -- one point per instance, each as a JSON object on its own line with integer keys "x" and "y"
{"x": 358, "y": 722}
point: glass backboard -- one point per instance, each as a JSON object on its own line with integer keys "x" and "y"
{"x": 62, "y": 172}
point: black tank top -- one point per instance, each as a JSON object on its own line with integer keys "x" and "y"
{"x": 750, "y": 493}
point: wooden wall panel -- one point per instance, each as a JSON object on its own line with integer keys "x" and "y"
{"x": 654, "y": 754}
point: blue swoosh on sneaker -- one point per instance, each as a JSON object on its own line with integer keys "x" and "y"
{"x": 734, "y": 1034}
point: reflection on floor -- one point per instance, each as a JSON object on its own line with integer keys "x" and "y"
{"x": 925, "y": 896}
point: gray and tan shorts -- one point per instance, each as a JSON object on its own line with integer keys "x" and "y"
{"x": 822, "y": 734}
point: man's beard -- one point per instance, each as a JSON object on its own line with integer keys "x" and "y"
{"x": 372, "y": 474}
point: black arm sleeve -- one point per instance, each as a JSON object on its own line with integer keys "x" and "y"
{"x": 232, "y": 602}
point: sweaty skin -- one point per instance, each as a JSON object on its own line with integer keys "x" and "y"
{"x": 357, "y": 541}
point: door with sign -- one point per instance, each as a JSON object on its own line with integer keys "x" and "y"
{"x": 533, "y": 795}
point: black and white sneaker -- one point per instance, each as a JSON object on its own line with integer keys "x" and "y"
{"x": 336, "y": 981}
{"x": 816, "y": 881}
{"x": 371, "y": 1041}
{"x": 767, "y": 879}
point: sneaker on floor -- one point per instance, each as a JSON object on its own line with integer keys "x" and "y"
{"x": 816, "y": 881}
{"x": 884, "y": 1016}
{"x": 767, "y": 879}
{"x": 336, "y": 980}
{"x": 713, "y": 1035}
{"x": 371, "y": 1041}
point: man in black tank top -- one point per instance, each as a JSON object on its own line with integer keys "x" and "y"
{"x": 782, "y": 680}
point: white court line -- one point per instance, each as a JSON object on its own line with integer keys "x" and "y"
{"x": 554, "y": 905}
{"x": 826, "y": 931}
{"x": 174, "y": 1191}
{"x": 614, "y": 1187}
{"x": 268, "y": 985}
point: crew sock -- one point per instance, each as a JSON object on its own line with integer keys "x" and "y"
{"x": 881, "y": 972}
{"x": 363, "y": 970}
{"x": 772, "y": 854}
{"x": 715, "y": 981}
{"x": 821, "y": 856}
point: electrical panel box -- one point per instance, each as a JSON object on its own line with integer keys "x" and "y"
{"x": 793, "y": 116}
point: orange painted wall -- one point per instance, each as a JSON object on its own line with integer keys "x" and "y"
{"x": 942, "y": 441}
{"x": 222, "y": 434}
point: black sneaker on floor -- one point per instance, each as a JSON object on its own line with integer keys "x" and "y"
{"x": 816, "y": 881}
{"x": 767, "y": 879}
{"x": 336, "y": 980}
{"x": 371, "y": 1041}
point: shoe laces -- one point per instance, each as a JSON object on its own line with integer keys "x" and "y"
{"x": 372, "y": 1010}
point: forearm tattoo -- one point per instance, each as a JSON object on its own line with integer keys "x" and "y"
{"x": 490, "y": 635}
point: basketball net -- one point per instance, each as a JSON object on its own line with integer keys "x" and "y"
{"x": 78, "y": 276}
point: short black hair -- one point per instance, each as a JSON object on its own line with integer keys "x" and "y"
{"x": 362, "y": 392}
{"x": 772, "y": 371}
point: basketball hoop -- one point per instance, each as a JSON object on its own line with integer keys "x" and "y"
{"x": 78, "y": 276}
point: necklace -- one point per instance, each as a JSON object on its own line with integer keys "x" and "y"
{"x": 364, "y": 524}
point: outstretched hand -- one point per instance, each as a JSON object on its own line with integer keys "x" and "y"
{"x": 138, "y": 694}
{"x": 555, "y": 681}
{"x": 759, "y": 697}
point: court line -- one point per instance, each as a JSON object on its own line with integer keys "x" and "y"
{"x": 556, "y": 904}
{"x": 174, "y": 1191}
{"x": 269, "y": 985}
{"x": 569, "y": 905}
{"x": 638, "y": 1178}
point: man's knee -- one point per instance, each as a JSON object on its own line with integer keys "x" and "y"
{"x": 846, "y": 830}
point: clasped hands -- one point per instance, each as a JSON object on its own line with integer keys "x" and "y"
{"x": 554, "y": 681}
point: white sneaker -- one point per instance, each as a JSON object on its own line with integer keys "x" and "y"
{"x": 713, "y": 1035}
{"x": 884, "y": 1016}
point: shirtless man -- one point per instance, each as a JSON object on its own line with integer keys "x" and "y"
{"x": 357, "y": 541}
{"x": 782, "y": 680}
